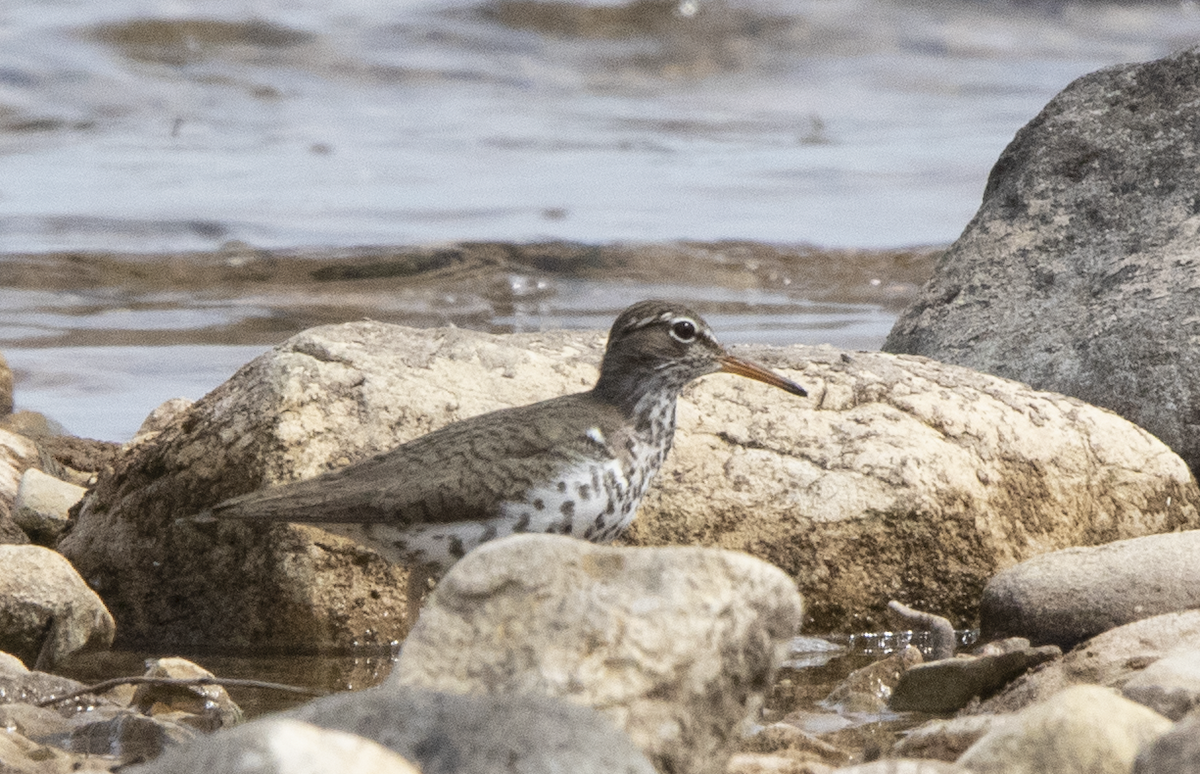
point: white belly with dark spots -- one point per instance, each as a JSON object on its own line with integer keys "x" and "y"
{"x": 592, "y": 501}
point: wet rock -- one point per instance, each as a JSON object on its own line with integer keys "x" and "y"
{"x": 1169, "y": 686}
{"x": 33, "y": 722}
{"x": 276, "y": 745}
{"x": 447, "y": 733}
{"x": 42, "y": 504}
{"x": 868, "y": 689}
{"x": 47, "y": 612}
{"x": 1175, "y": 752}
{"x": 206, "y": 707}
{"x": 1110, "y": 659}
{"x": 1068, "y": 596}
{"x": 1086, "y": 729}
{"x": 947, "y": 685}
{"x": 947, "y": 739}
{"x": 1079, "y": 272}
{"x": 893, "y": 467}
{"x": 24, "y": 686}
{"x": 129, "y": 737}
{"x": 675, "y": 645}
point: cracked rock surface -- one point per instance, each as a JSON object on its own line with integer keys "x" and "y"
{"x": 899, "y": 478}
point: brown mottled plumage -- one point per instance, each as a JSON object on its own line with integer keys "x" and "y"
{"x": 575, "y": 465}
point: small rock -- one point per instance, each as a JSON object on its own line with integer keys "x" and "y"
{"x": 162, "y": 416}
{"x": 1175, "y": 752}
{"x": 675, "y": 645}
{"x": 947, "y": 739}
{"x": 19, "y": 755}
{"x": 765, "y": 763}
{"x": 129, "y": 736}
{"x": 206, "y": 707}
{"x": 1084, "y": 729}
{"x": 271, "y": 746}
{"x": 947, "y": 685}
{"x": 17, "y": 454}
{"x": 1067, "y": 596}
{"x": 42, "y": 505}
{"x": 469, "y": 734}
{"x": 792, "y": 742}
{"x": 1169, "y": 686}
{"x": 33, "y": 722}
{"x": 47, "y": 612}
{"x": 31, "y": 424}
{"x": 868, "y": 689}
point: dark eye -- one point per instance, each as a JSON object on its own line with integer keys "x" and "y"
{"x": 684, "y": 331}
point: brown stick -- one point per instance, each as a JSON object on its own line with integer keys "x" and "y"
{"x": 184, "y": 682}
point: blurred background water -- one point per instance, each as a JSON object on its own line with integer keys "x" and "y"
{"x": 143, "y": 143}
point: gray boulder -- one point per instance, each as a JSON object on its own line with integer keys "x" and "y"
{"x": 675, "y": 645}
{"x": 446, "y": 733}
{"x": 1175, "y": 752}
{"x": 1068, "y": 596}
{"x": 47, "y": 612}
{"x": 1079, "y": 273}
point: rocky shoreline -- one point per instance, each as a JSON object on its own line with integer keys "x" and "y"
{"x": 1067, "y": 532}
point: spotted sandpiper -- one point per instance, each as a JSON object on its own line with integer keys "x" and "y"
{"x": 574, "y": 465}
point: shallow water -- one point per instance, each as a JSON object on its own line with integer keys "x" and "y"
{"x": 188, "y": 131}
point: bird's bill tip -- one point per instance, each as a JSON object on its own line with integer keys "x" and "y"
{"x": 735, "y": 365}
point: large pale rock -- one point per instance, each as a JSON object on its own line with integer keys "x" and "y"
{"x": 1084, "y": 729}
{"x": 1110, "y": 659}
{"x": 675, "y": 645}
{"x": 905, "y": 479}
{"x": 446, "y": 733}
{"x": 1080, "y": 273}
{"x": 47, "y": 612}
{"x": 274, "y": 746}
{"x": 900, "y": 477}
{"x": 1065, "y": 597}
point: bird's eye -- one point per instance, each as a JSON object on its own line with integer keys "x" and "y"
{"x": 683, "y": 331}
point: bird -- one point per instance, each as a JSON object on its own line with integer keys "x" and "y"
{"x": 574, "y": 465}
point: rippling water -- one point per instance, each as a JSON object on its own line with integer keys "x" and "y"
{"x": 196, "y": 131}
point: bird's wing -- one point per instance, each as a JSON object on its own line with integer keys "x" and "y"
{"x": 462, "y": 471}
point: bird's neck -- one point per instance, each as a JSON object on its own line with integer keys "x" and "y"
{"x": 646, "y": 399}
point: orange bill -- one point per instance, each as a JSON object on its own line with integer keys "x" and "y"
{"x": 734, "y": 365}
